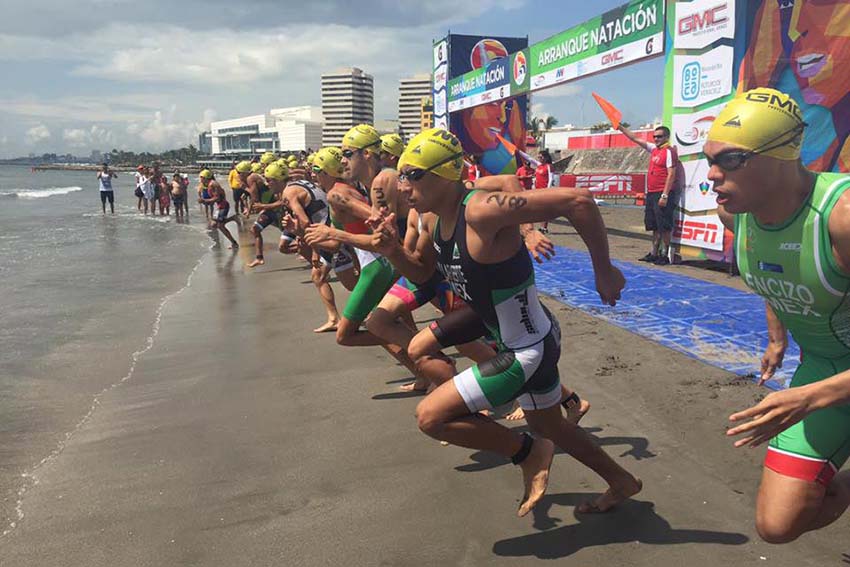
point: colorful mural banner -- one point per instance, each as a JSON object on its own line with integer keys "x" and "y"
{"x": 626, "y": 34}
{"x": 490, "y": 124}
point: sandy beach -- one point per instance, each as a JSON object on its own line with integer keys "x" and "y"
{"x": 244, "y": 439}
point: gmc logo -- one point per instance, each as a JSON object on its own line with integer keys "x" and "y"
{"x": 697, "y": 22}
{"x": 605, "y": 183}
{"x": 487, "y": 96}
{"x": 697, "y": 231}
{"x": 612, "y": 58}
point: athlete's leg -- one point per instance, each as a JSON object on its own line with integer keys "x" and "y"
{"x": 444, "y": 415}
{"x": 320, "y": 280}
{"x": 226, "y": 233}
{"x": 574, "y": 440}
{"x": 348, "y": 278}
{"x": 257, "y": 231}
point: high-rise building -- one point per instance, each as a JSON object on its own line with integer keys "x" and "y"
{"x": 347, "y": 100}
{"x": 410, "y": 93}
{"x": 426, "y": 114}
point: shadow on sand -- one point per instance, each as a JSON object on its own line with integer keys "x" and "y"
{"x": 632, "y": 521}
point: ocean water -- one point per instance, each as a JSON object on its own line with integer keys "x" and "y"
{"x": 81, "y": 296}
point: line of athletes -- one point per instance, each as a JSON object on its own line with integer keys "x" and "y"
{"x": 400, "y": 229}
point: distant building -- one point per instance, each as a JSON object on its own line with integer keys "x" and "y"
{"x": 281, "y": 130}
{"x": 426, "y": 113}
{"x": 348, "y": 99}
{"x": 410, "y": 93}
{"x": 386, "y": 126}
{"x": 205, "y": 143}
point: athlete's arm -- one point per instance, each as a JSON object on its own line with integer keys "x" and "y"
{"x": 343, "y": 204}
{"x": 536, "y": 242}
{"x": 416, "y": 264}
{"x": 630, "y": 135}
{"x": 381, "y": 193}
{"x": 293, "y": 195}
{"x": 489, "y": 213}
{"x": 776, "y": 345}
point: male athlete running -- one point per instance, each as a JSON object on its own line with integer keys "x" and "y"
{"x": 792, "y": 246}
{"x": 478, "y": 248}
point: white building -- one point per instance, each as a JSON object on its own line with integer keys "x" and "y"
{"x": 348, "y": 99}
{"x": 411, "y": 90}
{"x": 280, "y": 130}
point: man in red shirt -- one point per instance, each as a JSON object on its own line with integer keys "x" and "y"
{"x": 525, "y": 173}
{"x": 661, "y": 193}
{"x": 544, "y": 177}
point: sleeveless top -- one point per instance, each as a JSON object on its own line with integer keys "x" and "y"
{"x": 792, "y": 266}
{"x": 502, "y": 294}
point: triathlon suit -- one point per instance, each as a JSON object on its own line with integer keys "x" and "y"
{"x": 222, "y": 207}
{"x": 376, "y": 273}
{"x": 504, "y": 296}
{"x": 268, "y": 216}
{"x": 792, "y": 266}
{"x": 435, "y": 288}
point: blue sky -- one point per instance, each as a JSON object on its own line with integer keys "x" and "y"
{"x": 151, "y": 74}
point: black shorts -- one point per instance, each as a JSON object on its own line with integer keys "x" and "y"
{"x": 107, "y": 196}
{"x": 660, "y": 218}
{"x": 267, "y": 218}
{"x": 459, "y": 327}
{"x": 221, "y": 211}
{"x": 238, "y": 194}
{"x": 178, "y": 200}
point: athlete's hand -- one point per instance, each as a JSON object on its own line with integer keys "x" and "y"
{"x": 290, "y": 223}
{"x": 539, "y": 245}
{"x": 385, "y": 237}
{"x": 772, "y": 360}
{"x": 774, "y": 414}
{"x": 374, "y": 221}
{"x": 609, "y": 283}
{"x": 316, "y": 233}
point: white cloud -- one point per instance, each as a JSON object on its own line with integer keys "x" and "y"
{"x": 164, "y": 131}
{"x": 37, "y": 134}
{"x": 564, "y": 90}
{"x": 94, "y": 137}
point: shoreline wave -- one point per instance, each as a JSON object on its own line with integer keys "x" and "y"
{"x": 38, "y": 193}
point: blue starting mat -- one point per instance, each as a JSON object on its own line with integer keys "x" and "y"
{"x": 716, "y": 324}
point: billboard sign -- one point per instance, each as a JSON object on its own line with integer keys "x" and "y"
{"x": 702, "y": 22}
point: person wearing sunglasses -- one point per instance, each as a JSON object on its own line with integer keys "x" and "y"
{"x": 792, "y": 247}
{"x": 661, "y": 192}
{"x": 478, "y": 248}
{"x": 264, "y": 200}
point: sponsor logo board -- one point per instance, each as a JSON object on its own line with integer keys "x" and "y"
{"x": 700, "y": 231}
{"x": 698, "y": 194}
{"x": 690, "y": 130}
{"x": 703, "y": 78}
{"x": 703, "y": 22}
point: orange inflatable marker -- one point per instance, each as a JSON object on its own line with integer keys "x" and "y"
{"x": 614, "y": 115}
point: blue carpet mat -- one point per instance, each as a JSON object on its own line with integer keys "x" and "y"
{"x": 719, "y": 325}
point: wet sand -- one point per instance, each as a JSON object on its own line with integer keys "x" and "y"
{"x": 245, "y": 439}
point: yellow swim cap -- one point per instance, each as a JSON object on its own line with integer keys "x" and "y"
{"x": 206, "y": 174}
{"x": 256, "y": 167}
{"x": 276, "y": 171}
{"x": 282, "y": 162}
{"x": 392, "y": 144}
{"x": 361, "y": 136}
{"x": 267, "y": 158}
{"x": 329, "y": 160}
{"x": 763, "y": 120}
{"x": 310, "y": 159}
{"x": 243, "y": 166}
{"x": 436, "y": 150}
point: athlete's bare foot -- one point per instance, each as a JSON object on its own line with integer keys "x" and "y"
{"x": 611, "y": 498}
{"x": 327, "y": 327}
{"x": 257, "y": 262}
{"x": 418, "y": 386}
{"x": 516, "y": 415}
{"x": 535, "y": 474}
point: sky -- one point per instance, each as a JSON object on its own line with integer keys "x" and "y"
{"x": 149, "y": 75}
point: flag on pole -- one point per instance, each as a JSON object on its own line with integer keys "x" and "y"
{"x": 614, "y": 115}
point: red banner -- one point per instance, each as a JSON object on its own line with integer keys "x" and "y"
{"x": 607, "y": 184}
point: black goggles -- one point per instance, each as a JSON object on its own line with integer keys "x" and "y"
{"x": 347, "y": 153}
{"x": 418, "y": 173}
{"x": 736, "y": 159}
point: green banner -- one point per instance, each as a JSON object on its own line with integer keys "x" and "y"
{"x": 639, "y": 19}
